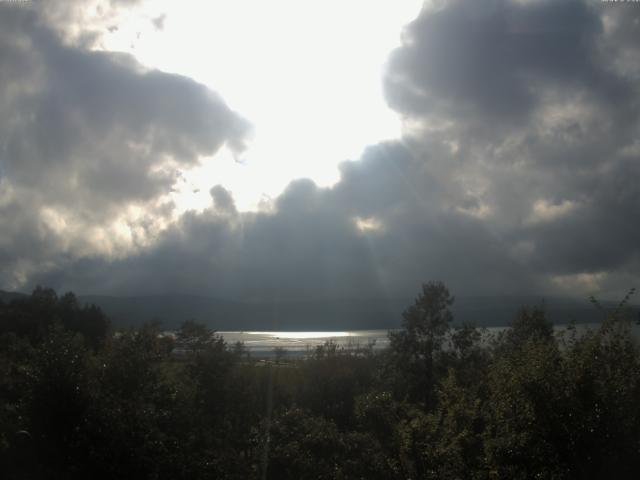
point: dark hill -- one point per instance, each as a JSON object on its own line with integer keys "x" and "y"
{"x": 342, "y": 314}
{"x": 6, "y": 297}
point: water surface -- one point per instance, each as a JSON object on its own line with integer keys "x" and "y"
{"x": 299, "y": 342}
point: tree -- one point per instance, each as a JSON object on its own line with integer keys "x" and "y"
{"x": 301, "y": 445}
{"x": 33, "y": 317}
{"x": 531, "y": 324}
{"x": 279, "y": 353}
{"x": 195, "y": 336}
{"x": 89, "y": 320}
{"x": 416, "y": 348}
{"x": 58, "y": 400}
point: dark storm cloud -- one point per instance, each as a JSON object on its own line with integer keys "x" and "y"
{"x": 600, "y": 233}
{"x": 378, "y": 233}
{"x": 541, "y": 102}
{"x": 305, "y": 250}
{"x": 87, "y": 134}
{"x": 518, "y": 173}
{"x": 487, "y": 60}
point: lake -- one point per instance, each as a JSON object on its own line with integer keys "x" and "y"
{"x": 297, "y": 343}
{"x": 263, "y": 343}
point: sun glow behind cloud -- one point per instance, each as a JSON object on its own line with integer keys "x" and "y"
{"x": 307, "y": 75}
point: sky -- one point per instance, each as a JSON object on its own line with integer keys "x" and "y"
{"x": 318, "y": 150}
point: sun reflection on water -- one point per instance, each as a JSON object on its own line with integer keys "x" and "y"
{"x": 302, "y": 335}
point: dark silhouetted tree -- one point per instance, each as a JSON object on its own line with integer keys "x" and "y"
{"x": 417, "y": 347}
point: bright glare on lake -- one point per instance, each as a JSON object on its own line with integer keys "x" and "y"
{"x": 300, "y": 341}
{"x": 304, "y": 335}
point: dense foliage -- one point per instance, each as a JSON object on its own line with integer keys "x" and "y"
{"x": 78, "y": 400}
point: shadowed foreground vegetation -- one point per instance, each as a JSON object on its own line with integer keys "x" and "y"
{"x": 79, "y": 401}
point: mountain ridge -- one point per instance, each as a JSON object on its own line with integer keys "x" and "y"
{"x": 336, "y": 314}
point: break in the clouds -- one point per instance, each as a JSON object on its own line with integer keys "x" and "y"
{"x": 517, "y": 172}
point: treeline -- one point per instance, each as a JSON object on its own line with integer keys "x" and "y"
{"x": 78, "y": 400}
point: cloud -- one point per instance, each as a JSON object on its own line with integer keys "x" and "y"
{"x": 82, "y": 23}
{"x": 488, "y": 62}
{"x": 158, "y": 22}
{"x": 311, "y": 245}
{"x": 92, "y": 142}
{"x": 517, "y": 173}
{"x": 540, "y": 100}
